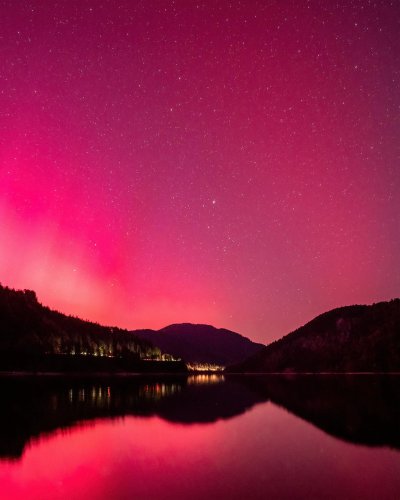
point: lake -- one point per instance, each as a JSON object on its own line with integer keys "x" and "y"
{"x": 200, "y": 437}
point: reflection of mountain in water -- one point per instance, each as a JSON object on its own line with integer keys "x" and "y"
{"x": 31, "y": 407}
{"x": 360, "y": 409}
{"x": 363, "y": 409}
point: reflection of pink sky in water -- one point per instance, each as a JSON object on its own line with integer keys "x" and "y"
{"x": 265, "y": 453}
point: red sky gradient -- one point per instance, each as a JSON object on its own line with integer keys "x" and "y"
{"x": 233, "y": 163}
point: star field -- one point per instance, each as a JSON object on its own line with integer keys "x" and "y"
{"x": 233, "y": 163}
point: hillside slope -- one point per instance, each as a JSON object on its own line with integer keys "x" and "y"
{"x": 348, "y": 339}
{"x": 28, "y": 328}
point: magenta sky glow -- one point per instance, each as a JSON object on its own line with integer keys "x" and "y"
{"x": 233, "y": 163}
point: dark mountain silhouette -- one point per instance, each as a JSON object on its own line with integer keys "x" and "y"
{"x": 348, "y": 339}
{"x": 201, "y": 343}
{"x": 35, "y": 337}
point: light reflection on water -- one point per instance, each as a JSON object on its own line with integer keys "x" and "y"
{"x": 205, "y": 378}
{"x": 205, "y": 436}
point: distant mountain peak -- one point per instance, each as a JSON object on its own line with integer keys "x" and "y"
{"x": 201, "y": 343}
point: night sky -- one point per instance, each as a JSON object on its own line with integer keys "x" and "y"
{"x": 233, "y": 163}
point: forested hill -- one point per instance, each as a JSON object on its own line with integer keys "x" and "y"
{"x": 28, "y": 328}
{"x": 348, "y": 339}
{"x": 201, "y": 344}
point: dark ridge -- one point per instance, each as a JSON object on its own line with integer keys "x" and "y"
{"x": 34, "y": 337}
{"x": 347, "y": 339}
{"x": 201, "y": 343}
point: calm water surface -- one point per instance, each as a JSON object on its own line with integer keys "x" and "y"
{"x": 200, "y": 437}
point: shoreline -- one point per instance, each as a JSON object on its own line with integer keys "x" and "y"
{"x": 77, "y": 374}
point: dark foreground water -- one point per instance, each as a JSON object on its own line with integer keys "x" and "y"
{"x": 205, "y": 437}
